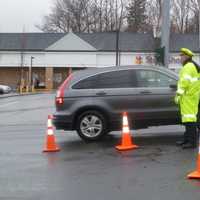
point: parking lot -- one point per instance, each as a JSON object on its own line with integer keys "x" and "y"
{"x": 157, "y": 170}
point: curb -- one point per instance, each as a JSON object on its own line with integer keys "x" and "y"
{"x": 24, "y": 94}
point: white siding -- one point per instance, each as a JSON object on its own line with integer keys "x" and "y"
{"x": 175, "y": 62}
{"x": 38, "y": 61}
{"x": 13, "y": 59}
{"x": 109, "y": 59}
{"x": 131, "y": 58}
{"x": 9, "y": 59}
{"x": 83, "y": 59}
{"x": 71, "y": 59}
{"x": 105, "y": 59}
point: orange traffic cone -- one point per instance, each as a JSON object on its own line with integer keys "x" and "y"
{"x": 50, "y": 145}
{"x": 196, "y": 174}
{"x": 126, "y": 143}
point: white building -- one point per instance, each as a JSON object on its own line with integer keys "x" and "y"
{"x": 51, "y": 55}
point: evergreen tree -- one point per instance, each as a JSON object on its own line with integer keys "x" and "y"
{"x": 136, "y": 16}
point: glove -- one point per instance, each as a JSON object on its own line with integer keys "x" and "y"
{"x": 177, "y": 99}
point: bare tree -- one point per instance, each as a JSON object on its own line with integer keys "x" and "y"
{"x": 110, "y": 15}
{"x": 181, "y": 15}
{"x": 195, "y": 19}
{"x": 85, "y": 16}
{"x": 184, "y": 15}
{"x": 154, "y": 15}
{"x": 122, "y": 15}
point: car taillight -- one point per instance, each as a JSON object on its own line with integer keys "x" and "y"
{"x": 59, "y": 100}
{"x": 60, "y": 93}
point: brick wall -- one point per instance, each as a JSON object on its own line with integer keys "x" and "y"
{"x": 9, "y": 76}
{"x": 12, "y": 76}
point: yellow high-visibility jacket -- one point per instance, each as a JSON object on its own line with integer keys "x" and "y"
{"x": 189, "y": 91}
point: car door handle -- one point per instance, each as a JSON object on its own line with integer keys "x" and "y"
{"x": 145, "y": 92}
{"x": 101, "y": 93}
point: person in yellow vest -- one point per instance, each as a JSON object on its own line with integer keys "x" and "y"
{"x": 187, "y": 97}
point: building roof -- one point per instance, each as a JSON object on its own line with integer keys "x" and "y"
{"x": 28, "y": 41}
{"x": 129, "y": 42}
{"x": 99, "y": 41}
{"x": 178, "y": 41}
{"x": 71, "y": 42}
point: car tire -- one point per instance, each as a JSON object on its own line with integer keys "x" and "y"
{"x": 91, "y": 125}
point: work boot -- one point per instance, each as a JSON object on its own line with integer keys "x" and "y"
{"x": 188, "y": 146}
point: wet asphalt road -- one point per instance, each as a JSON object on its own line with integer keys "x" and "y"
{"x": 95, "y": 171}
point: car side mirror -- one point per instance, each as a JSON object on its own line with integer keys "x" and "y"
{"x": 173, "y": 86}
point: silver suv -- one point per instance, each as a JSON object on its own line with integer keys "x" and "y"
{"x": 92, "y": 101}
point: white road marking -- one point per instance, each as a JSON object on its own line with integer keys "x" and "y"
{"x": 8, "y": 104}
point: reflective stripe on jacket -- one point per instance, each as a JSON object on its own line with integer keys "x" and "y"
{"x": 189, "y": 91}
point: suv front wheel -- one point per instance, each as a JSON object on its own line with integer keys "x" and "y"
{"x": 91, "y": 125}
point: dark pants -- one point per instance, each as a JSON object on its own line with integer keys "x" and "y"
{"x": 191, "y": 133}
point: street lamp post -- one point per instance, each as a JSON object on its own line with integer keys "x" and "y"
{"x": 30, "y": 73}
{"x": 117, "y": 47}
{"x": 165, "y": 30}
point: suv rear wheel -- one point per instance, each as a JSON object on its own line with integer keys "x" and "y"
{"x": 91, "y": 125}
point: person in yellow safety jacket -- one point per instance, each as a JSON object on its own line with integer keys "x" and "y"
{"x": 187, "y": 97}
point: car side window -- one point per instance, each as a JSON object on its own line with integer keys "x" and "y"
{"x": 88, "y": 83}
{"x": 150, "y": 78}
{"x": 117, "y": 79}
{"x": 113, "y": 79}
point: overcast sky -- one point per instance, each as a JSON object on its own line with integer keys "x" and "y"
{"x": 16, "y": 14}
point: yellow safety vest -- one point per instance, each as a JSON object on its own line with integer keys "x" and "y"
{"x": 189, "y": 91}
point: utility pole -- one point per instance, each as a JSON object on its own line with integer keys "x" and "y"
{"x": 23, "y": 46}
{"x": 117, "y": 34}
{"x": 30, "y": 74}
{"x": 165, "y": 30}
{"x": 117, "y": 47}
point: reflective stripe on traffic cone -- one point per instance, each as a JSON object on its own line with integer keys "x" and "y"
{"x": 50, "y": 145}
{"x": 196, "y": 174}
{"x": 49, "y": 121}
{"x": 126, "y": 143}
